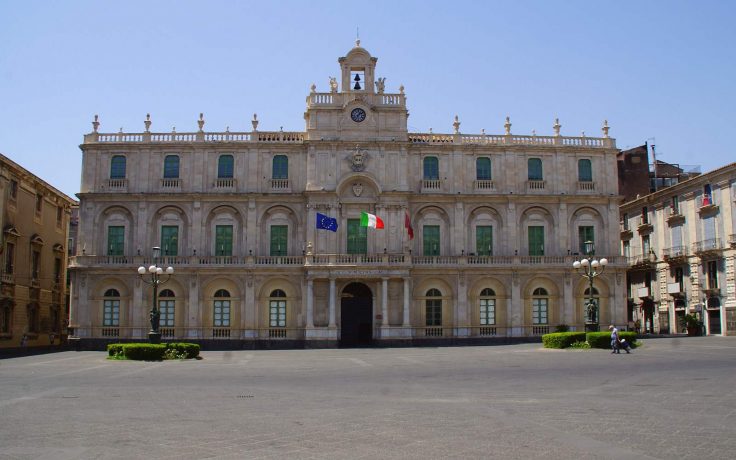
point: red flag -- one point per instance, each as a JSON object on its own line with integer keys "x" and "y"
{"x": 407, "y": 224}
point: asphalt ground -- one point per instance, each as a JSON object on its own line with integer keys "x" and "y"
{"x": 672, "y": 398}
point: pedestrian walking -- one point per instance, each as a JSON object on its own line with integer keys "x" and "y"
{"x": 614, "y": 339}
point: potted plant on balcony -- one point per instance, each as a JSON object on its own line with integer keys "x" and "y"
{"x": 692, "y": 324}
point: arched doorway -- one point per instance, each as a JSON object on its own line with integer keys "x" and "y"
{"x": 356, "y": 316}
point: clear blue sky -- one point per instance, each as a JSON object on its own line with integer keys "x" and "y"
{"x": 654, "y": 69}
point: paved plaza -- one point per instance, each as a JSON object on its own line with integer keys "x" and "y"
{"x": 673, "y": 398}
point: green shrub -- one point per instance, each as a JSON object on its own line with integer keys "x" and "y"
{"x": 153, "y": 352}
{"x": 580, "y": 345}
{"x": 562, "y": 328}
{"x": 562, "y": 339}
{"x": 603, "y": 339}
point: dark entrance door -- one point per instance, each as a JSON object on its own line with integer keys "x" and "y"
{"x": 714, "y": 315}
{"x": 356, "y": 316}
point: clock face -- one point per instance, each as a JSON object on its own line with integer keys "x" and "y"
{"x": 357, "y": 115}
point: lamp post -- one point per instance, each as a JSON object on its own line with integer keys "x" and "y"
{"x": 591, "y": 269}
{"x": 153, "y": 276}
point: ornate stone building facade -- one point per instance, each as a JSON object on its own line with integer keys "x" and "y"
{"x": 681, "y": 246}
{"x": 497, "y": 220}
{"x": 34, "y": 217}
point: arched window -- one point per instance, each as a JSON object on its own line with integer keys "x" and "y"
{"x": 585, "y": 171}
{"x": 221, "y": 309}
{"x": 487, "y": 307}
{"x": 166, "y": 306}
{"x": 111, "y": 308}
{"x": 225, "y": 167}
{"x": 117, "y": 167}
{"x": 280, "y": 167}
{"x": 483, "y": 168}
{"x": 535, "y": 169}
{"x": 433, "y": 308}
{"x": 171, "y": 167}
{"x": 277, "y": 309}
{"x": 540, "y": 306}
{"x": 431, "y": 168}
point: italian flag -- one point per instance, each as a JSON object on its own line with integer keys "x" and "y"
{"x": 369, "y": 220}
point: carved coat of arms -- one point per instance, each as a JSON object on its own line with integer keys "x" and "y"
{"x": 358, "y": 159}
{"x": 357, "y": 189}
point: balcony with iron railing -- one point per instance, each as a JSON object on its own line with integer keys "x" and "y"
{"x": 675, "y": 254}
{"x": 707, "y": 247}
{"x": 642, "y": 261}
{"x": 732, "y": 240}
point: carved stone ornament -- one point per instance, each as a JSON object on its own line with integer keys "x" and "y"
{"x": 358, "y": 159}
{"x": 357, "y": 189}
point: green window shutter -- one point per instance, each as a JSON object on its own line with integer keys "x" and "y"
{"x": 280, "y": 167}
{"x": 585, "y": 233}
{"x": 225, "y": 167}
{"x": 117, "y": 167}
{"x": 169, "y": 240}
{"x": 484, "y": 240}
{"x": 115, "y": 240}
{"x": 279, "y": 240}
{"x": 357, "y": 237}
{"x": 536, "y": 240}
{"x": 431, "y": 238}
{"x": 224, "y": 240}
{"x": 433, "y": 313}
{"x": 483, "y": 169}
{"x": 171, "y": 167}
{"x": 535, "y": 169}
{"x": 431, "y": 168}
{"x": 277, "y": 313}
{"x": 585, "y": 171}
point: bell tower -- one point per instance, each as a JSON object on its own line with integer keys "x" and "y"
{"x": 358, "y": 71}
{"x": 358, "y": 107}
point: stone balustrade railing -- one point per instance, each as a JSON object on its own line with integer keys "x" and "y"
{"x": 339, "y": 260}
{"x": 511, "y": 139}
{"x": 339, "y": 99}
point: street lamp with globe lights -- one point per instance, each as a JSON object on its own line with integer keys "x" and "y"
{"x": 155, "y": 279}
{"x": 591, "y": 268}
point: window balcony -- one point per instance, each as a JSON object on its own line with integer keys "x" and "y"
{"x": 171, "y": 184}
{"x": 280, "y": 185}
{"x": 644, "y": 228}
{"x": 8, "y": 278}
{"x": 707, "y": 206}
{"x": 675, "y": 217}
{"x": 707, "y": 247}
{"x": 535, "y": 185}
{"x": 431, "y": 185}
{"x": 732, "y": 240}
{"x": 586, "y": 186}
{"x": 675, "y": 290}
{"x": 117, "y": 184}
{"x": 643, "y": 261}
{"x": 227, "y": 183}
{"x": 675, "y": 254}
{"x": 483, "y": 185}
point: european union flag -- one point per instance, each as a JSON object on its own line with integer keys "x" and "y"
{"x": 326, "y": 222}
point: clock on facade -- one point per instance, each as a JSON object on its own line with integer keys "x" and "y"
{"x": 357, "y": 115}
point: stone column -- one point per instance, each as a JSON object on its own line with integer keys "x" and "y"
{"x": 332, "y": 303}
{"x": 517, "y": 307}
{"x": 568, "y": 299}
{"x": 310, "y": 304}
{"x": 384, "y": 301}
{"x": 407, "y": 303}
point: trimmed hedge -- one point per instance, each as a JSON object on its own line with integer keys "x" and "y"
{"x": 151, "y": 351}
{"x": 562, "y": 339}
{"x": 603, "y": 339}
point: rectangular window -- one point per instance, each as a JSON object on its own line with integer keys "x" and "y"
{"x": 431, "y": 238}
{"x": 169, "y": 240}
{"x": 644, "y": 215}
{"x": 39, "y": 203}
{"x": 536, "y": 240}
{"x": 431, "y": 168}
{"x": 224, "y": 240}
{"x": 487, "y": 312}
{"x": 57, "y": 270}
{"x": 585, "y": 233}
{"x": 627, "y": 249}
{"x": 483, "y": 169}
{"x": 709, "y": 228}
{"x": 13, "y": 189}
{"x": 680, "y": 278}
{"x": 115, "y": 240}
{"x": 221, "y": 313}
{"x": 225, "y": 167}
{"x": 280, "y": 167}
{"x": 35, "y": 264}
{"x": 279, "y": 240}
{"x": 433, "y": 312}
{"x": 484, "y": 240}
{"x": 645, "y": 247}
{"x": 535, "y": 169}
{"x": 9, "y": 256}
{"x": 626, "y": 221}
{"x": 675, "y": 205}
{"x": 677, "y": 236}
{"x": 59, "y": 216}
{"x": 5, "y": 315}
{"x": 111, "y": 313}
{"x": 166, "y": 309}
{"x": 539, "y": 311}
{"x": 585, "y": 170}
{"x": 171, "y": 167}
{"x": 712, "y": 274}
{"x": 277, "y": 313}
{"x": 357, "y": 237}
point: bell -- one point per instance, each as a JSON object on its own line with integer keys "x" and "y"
{"x": 357, "y": 86}
{"x": 357, "y": 77}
